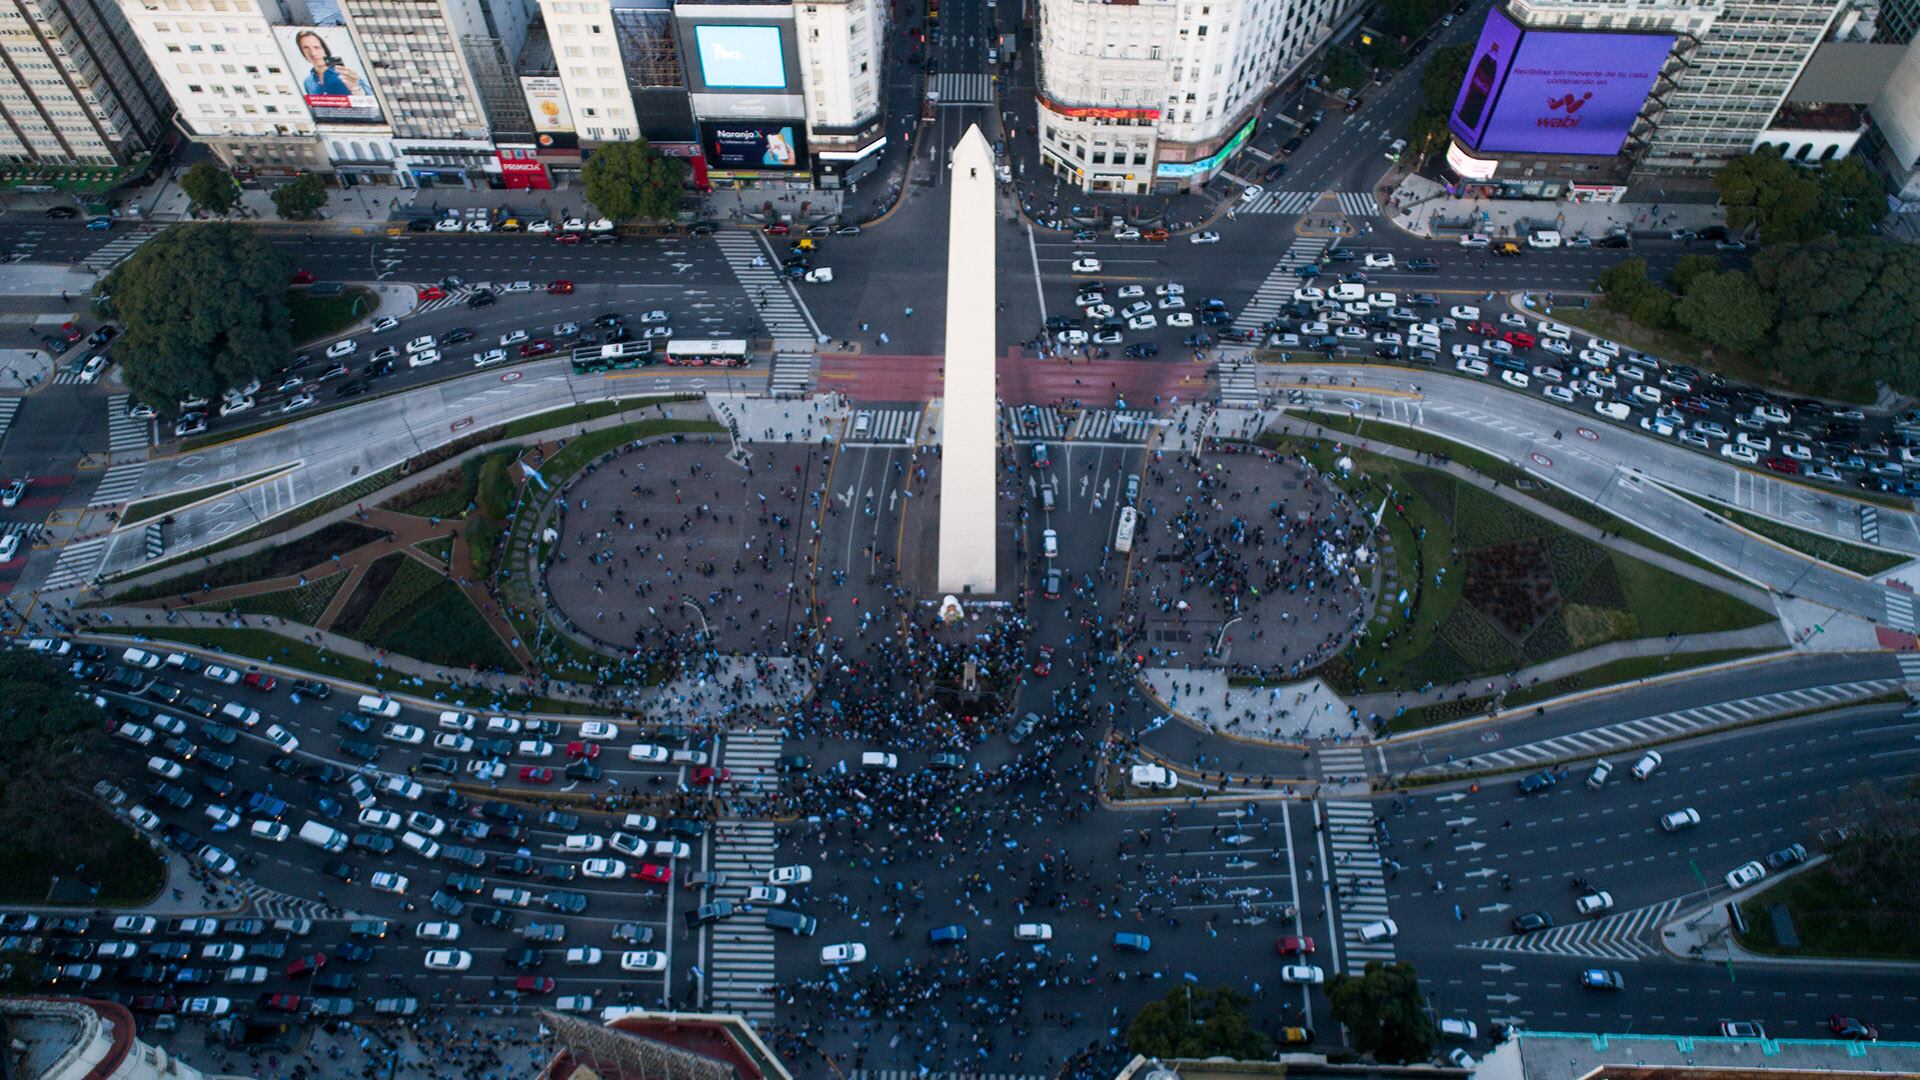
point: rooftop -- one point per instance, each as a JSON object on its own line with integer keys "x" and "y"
{"x": 1544, "y": 1055}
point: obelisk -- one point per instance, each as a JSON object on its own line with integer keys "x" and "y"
{"x": 968, "y": 509}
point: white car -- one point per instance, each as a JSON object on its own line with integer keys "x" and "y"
{"x": 647, "y": 752}
{"x": 1594, "y": 903}
{"x": 383, "y": 324}
{"x": 423, "y": 359}
{"x": 389, "y": 882}
{"x": 95, "y": 365}
{"x": 1742, "y": 876}
{"x": 1126, "y": 234}
{"x": 536, "y": 748}
{"x": 1307, "y": 294}
{"x": 850, "y": 952}
{"x": 600, "y": 225}
{"x": 207, "y": 1006}
{"x": 405, "y": 734}
{"x": 164, "y": 768}
{"x": 1251, "y": 192}
{"x": 422, "y": 343}
{"x": 1514, "y": 379}
{"x": 1647, "y": 763}
{"x": 1180, "y": 320}
{"x": 448, "y": 225}
{"x": 644, "y": 960}
{"x": 1302, "y": 975}
{"x": 1612, "y": 410}
{"x": 410, "y": 790}
{"x": 1383, "y": 261}
{"x": 540, "y": 227}
{"x": 1205, "y": 236}
{"x": 512, "y": 337}
{"x": 342, "y": 348}
{"x": 790, "y": 875}
{"x": 448, "y": 960}
{"x": 137, "y": 925}
{"x": 1465, "y": 311}
{"x": 1033, "y": 931}
{"x": 766, "y": 894}
{"x": 1680, "y": 819}
{"x": 583, "y": 956}
{"x": 1475, "y": 240}
{"x": 604, "y": 868}
{"x": 437, "y": 931}
{"x": 426, "y": 824}
{"x": 1471, "y": 366}
{"x": 1741, "y": 454}
{"x": 1086, "y": 266}
{"x": 281, "y": 739}
{"x": 599, "y": 730}
{"x": 271, "y": 831}
{"x": 1142, "y": 322}
{"x": 490, "y": 358}
{"x": 449, "y": 741}
{"x": 251, "y": 974}
{"x": 671, "y": 849}
{"x": 583, "y": 843}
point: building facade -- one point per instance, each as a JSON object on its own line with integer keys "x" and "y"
{"x": 76, "y": 88}
{"x": 75, "y": 1039}
{"x": 1162, "y": 92}
{"x": 841, "y": 59}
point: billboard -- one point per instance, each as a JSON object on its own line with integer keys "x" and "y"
{"x": 1176, "y": 169}
{"x": 737, "y": 57}
{"x": 552, "y": 118}
{"x": 755, "y": 146}
{"x": 1554, "y": 91}
{"x": 327, "y": 67}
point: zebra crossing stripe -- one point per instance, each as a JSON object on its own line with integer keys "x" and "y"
{"x": 114, "y": 252}
{"x": 120, "y": 481}
{"x": 8, "y": 406}
{"x": 783, "y": 315}
{"x": 76, "y": 564}
{"x": 125, "y": 433}
{"x": 455, "y": 296}
{"x": 1357, "y": 874}
{"x": 1870, "y": 524}
{"x": 1277, "y": 290}
{"x": 963, "y": 88}
{"x": 1910, "y": 665}
{"x": 1900, "y": 610}
{"x": 886, "y": 426}
{"x": 1621, "y": 936}
{"x": 1111, "y": 425}
{"x": 1035, "y": 421}
{"x": 792, "y": 374}
{"x": 1282, "y": 202}
{"x": 741, "y": 956}
{"x": 1357, "y": 204}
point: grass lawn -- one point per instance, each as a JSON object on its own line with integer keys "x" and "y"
{"x": 409, "y": 608}
{"x": 166, "y": 504}
{"x": 1492, "y": 588}
{"x": 289, "y": 558}
{"x": 449, "y": 494}
{"x": 1832, "y": 920}
{"x": 316, "y": 317}
{"x": 440, "y": 548}
{"x": 1619, "y": 671}
{"x": 127, "y": 871}
{"x": 1858, "y": 558}
{"x": 302, "y": 604}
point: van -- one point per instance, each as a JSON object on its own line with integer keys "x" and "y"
{"x": 375, "y": 705}
{"x": 1543, "y": 238}
{"x": 1154, "y": 777}
{"x": 793, "y": 922}
{"x": 324, "y": 837}
{"x": 423, "y": 846}
{"x": 240, "y": 714}
{"x": 879, "y": 760}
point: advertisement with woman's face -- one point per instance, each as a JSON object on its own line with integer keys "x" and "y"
{"x": 332, "y": 80}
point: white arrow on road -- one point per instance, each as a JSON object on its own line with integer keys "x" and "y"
{"x": 1501, "y": 968}
{"x": 1461, "y": 822}
{"x": 1505, "y": 999}
{"x": 1482, "y": 872}
{"x": 893, "y": 497}
{"x": 1475, "y": 846}
{"x": 846, "y": 497}
{"x": 1243, "y": 892}
{"x": 1255, "y": 920}
{"x": 1495, "y": 908}
{"x": 1455, "y": 797}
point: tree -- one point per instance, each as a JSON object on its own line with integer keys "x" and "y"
{"x": 1847, "y": 311}
{"x": 1727, "y": 310}
{"x": 1764, "y": 190}
{"x": 1384, "y": 1012}
{"x": 632, "y": 181}
{"x": 1439, "y": 85}
{"x": 1410, "y": 18}
{"x": 41, "y": 727}
{"x": 1196, "y": 1022}
{"x": 1623, "y": 283}
{"x": 1344, "y": 69}
{"x": 302, "y": 198}
{"x": 1879, "y": 862}
{"x": 1852, "y": 197}
{"x": 210, "y": 188}
{"x": 1653, "y": 309}
{"x": 202, "y": 308}
{"x": 1690, "y": 268}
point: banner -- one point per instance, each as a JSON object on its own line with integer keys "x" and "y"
{"x": 327, "y": 69}
{"x": 755, "y": 145}
{"x": 552, "y": 117}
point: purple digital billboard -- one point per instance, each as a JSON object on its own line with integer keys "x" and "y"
{"x": 1554, "y": 92}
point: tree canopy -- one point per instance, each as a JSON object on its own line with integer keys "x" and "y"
{"x": 633, "y": 181}
{"x": 1344, "y": 69}
{"x": 41, "y": 723}
{"x": 1791, "y": 203}
{"x": 202, "y": 308}
{"x": 1845, "y": 310}
{"x": 1198, "y": 1022}
{"x": 1725, "y": 309}
{"x": 302, "y": 198}
{"x": 1384, "y": 1012}
{"x": 210, "y": 188}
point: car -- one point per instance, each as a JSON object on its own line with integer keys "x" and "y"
{"x": 1685, "y": 818}
{"x": 1086, "y": 266}
{"x": 604, "y": 868}
{"x": 389, "y": 882}
{"x": 599, "y": 730}
{"x": 346, "y": 347}
{"x": 1128, "y": 941}
{"x": 1613, "y": 410}
{"x": 1292, "y": 945}
{"x": 1602, "y": 769}
{"x": 1532, "y": 921}
{"x": 1745, "y": 874}
{"x": 1601, "y": 979}
{"x": 1742, "y": 1029}
{"x": 643, "y": 960}
{"x": 1204, "y": 236}
{"x": 1302, "y": 975}
{"x": 1847, "y": 1027}
{"x": 1251, "y": 192}
{"x": 1380, "y": 261}
{"x": 654, "y": 873}
{"x": 534, "y": 984}
{"x": 1791, "y": 855}
{"x": 1647, "y": 763}
{"x": 1535, "y": 783}
{"x": 447, "y": 960}
{"x": 851, "y": 952}
{"x": 1033, "y": 932}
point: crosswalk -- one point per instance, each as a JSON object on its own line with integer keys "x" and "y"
{"x": 884, "y": 426}
{"x": 1351, "y": 203}
{"x": 1239, "y": 383}
{"x": 268, "y": 903}
{"x": 30, "y": 533}
{"x": 792, "y": 374}
{"x": 115, "y": 251}
{"x": 1035, "y": 422}
{"x": 782, "y": 314}
{"x": 1909, "y": 666}
{"x": 76, "y": 564}
{"x": 1277, "y": 291}
{"x": 454, "y": 298}
{"x": 1869, "y": 523}
{"x": 8, "y": 406}
{"x": 963, "y": 88}
{"x": 753, "y": 757}
{"x": 1581, "y": 744}
{"x": 1114, "y": 425}
{"x": 1342, "y": 764}
{"x": 1621, "y": 936}
{"x": 125, "y": 433}
{"x": 119, "y": 483}
{"x": 66, "y": 376}
{"x": 740, "y": 950}
{"x": 1357, "y": 877}
{"x": 1900, "y": 610}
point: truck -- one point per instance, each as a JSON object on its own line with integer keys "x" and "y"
{"x": 241, "y": 1030}
{"x": 324, "y": 837}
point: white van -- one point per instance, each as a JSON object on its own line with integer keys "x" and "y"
{"x": 240, "y": 714}
{"x": 1543, "y": 238}
{"x": 324, "y": 837}
{"x": 1154, "y": 777}
{"x": 375, "y": 705}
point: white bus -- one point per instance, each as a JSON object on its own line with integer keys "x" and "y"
{"x": 706, "y": 352}
{"x": 1123, "y": 539}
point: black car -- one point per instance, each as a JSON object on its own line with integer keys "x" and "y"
{"x": 71, "y": 950}
{"x": 1535, "y": 783}
{"x": 62, "y": 213}
{"x": 1141, "y": 350}
{"x": 353, "y": 952}
{"x": 285, "y": 763}
{"x": 472, "y": 884}
{"x": 193, "y": 976}
{"x": 318, "y": 691}
{"x": 633, "y": 933}
{"x": 604, "y": 238}
{"x": 559, "y": 871}
{"x": 220, "y": 786}
{"x": 354, "y": 721}
{"x": 246, "y": 928}
{"x": 1531, "y": 921}
{"x": 169, "y": 950}
{"x": 565, "y": 901}
{"x": 523, "y": 957}
{"x": 420, "y": 225}
{"x": 459, "y": 335}
{"x": 793, "y": 763}
{"x": 1424, "y": 266}
{"x": 173, "y": 795}
{"x": 360, "y": 748}
{"x": 481, "y": 299}
{"x": 217, "y": 760}
{"x": 497, "y": 918}
{"x": 267, "y": 950}
{"x": 351, "y": 388}
{"x": 374, "y": 843}
{"x": 146, "y": 974}
{"x": 439, "y": 764}
{"x": 584, "y": 770}
{"x": 503, "y": 811}
{"x": 1274, "y": 171}
{"x": 323, "y": 772}
{"x": 376, "y": 368}
{"x": 707, "y": 913}
{"x": 519, "y": 865}
{"x": 446, "y": 903}
{"x": 686, "y": 828}
{"x": 218, "y": 734}
{"x": 341, "y": 869}
{"x": 449, "y": 800}
{"x": 1291, "y": 145}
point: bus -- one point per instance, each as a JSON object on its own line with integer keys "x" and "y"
{"x": 1123, "y": 539}
{"x": 590, "y": 359}
{"x": 707, "y": 352}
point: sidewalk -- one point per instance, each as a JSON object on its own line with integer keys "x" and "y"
{"x": 1704, "y": 934}
{"x": 1293, "y": 713}
{"x": 1422, "y": 207}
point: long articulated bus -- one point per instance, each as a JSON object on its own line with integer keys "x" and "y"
{"x": 591, "y": 359}
{"x": 707, "y": 352}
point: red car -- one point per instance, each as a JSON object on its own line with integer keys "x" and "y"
{"x": 261, "y": 681}
{"x": 1848, "y": 1027}
{"x": 1043, "y": 664}
{"x": 707, "y": 774}
{"x": 588, "y": 750}
{"x": 303, "y": 277}
{"x": 778, "y": 228}
{"x": 533, "y": 984}
{"x": 566, "y": 238}
{"x": 654, "y": 872}
{"x": 1294, "y": 946}
{"x": 287, "y": 1003}
{"x": 432, "y": 292}
{"x": 307, "y": 964}
{"x": 536, "y": 347}
{"x": 1484, "y": 329}
{"x": 560, "y": 287}
{"x": 1786, "y": 466}
{"x": 538, "y": 774}
{"x": 1519, "y": 339}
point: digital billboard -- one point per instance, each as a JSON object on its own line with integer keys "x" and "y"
{"x": 735, "y": 57}
{"x": 330, "y": 75}
{"x": 1554, "y": 91}
{"x": 748, "y": 146}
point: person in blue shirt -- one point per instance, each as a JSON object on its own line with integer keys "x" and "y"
{"x": 329, "y": 76}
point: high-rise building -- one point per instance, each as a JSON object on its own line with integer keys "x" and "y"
{"x": 841, "y": 55}
{"x": 1162, "y": 92}
{"x": 76, "y": 88}
{"x": 75, "y": 1039}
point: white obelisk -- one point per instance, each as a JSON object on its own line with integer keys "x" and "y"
{"x": 968, "y": 510}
